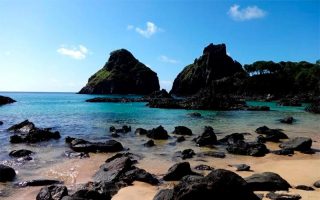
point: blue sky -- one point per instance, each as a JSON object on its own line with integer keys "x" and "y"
{"x": 56, "y": 45}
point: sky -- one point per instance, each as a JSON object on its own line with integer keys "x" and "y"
{"x": 56, "y": 45}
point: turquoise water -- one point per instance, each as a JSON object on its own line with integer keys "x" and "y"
{"x": 69, "y": 114}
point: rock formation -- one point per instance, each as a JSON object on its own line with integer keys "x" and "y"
{"x": 122, "y": 74}
{"x": 214, "y": 64}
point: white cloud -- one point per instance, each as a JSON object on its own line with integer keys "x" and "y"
{"x": 150, "y": 30}
{"x": 75, "y": 53}
{"x": 168, "y": 60}
{"x": 248, "y": 13}
{"x": 166, "y": 84}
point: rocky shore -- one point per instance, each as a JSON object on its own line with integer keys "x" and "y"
{"x": 194, "y": 173}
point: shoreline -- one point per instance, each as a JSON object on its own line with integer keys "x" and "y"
{"x": 299, "y": 169}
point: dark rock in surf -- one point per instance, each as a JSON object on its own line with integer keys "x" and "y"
{"x": 6, "y": 100}
{"x": 232, "y": 138}
{"x": 273, "y": 135}
{"x": 180, "y": 139}
{"x": 248, "y": 148}
{"x": 6, "y": 173}
{"x": 141, "y": 131}
{"x": 158, "y": 133}
{"x": 207, "y": 138}
{"x": 20, "y": 153}
{"x": 287, "y": 120}
{"x": 149, "y": 143}
{"x": 182, "y": 130}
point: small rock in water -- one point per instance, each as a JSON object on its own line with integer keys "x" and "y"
{"x": 207, "y": 138}
{"x": 1, "y": 123}
{"x": 276, "y": 196}
{"x": 158, "y": 133}
{"x": 150, "y": 143}
{"x": 187, "y": 153}
{"x": 124, "y": 129}
{"x": 203, "y": 167}
{"x": 182, "y": 130}
{"x": 141, "y": 131}
{"x": 6, "y": 173}
{"x": 115, "y": 135}
{"x": 20, "y": 153}
{"x": 72, "y": 154}
{"x": 287, "y": 120}
{"x": 180, "y": 139}
{"x": 304, "y": 187}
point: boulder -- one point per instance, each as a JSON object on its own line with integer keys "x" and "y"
{"x": 317, "y": 184}
{"x": 119, "y": 168}
{"x": 141, "y": 131}
{"x": 248, "y": 148}
{"x": 177, "y": 171}
{"x": 297, "y": 144}
{"x": 80, "y": 145}
{"x": 304, "y": 187}
{"x": 38, "y": 182}
{"x": 52, "y": 192}
{"x": 180, "y": 139}
{"x": 272, "y": 135}
{"x": 158, "y": 133}
{"x": 185, "y": 154}
{"x": 20, "y": 153}
{"x": 232, "y": 138}
{"x": 1, "y": 123}
{"x": 287, "y": 120}
{"x": 5, "y": 100}
{"x": 207, "y": 138}
{"x": 122, "y": 74}
{"x": 276, "y": 196}
{"x": 27, "y": 132}
{"x": 149, "y": 143}
{"x": 212, "y": 65}
{"x": 182, "y": 130}
{"x": 6, "y": 173}
{"x": 267, "y": 181}
{"x": 219, "y": 184}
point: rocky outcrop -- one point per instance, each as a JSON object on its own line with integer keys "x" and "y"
{"x": 219, "y": 184}
{"x": 5, "y": 100}
{"x": 122, "y": 74}
{"x": 267, "y": 181}
{"x": 207, "y": 138}
{"x": 158, "y": 133}
{"x": 6, "y": 173}
{"x": 27, "y": 132}
{"x": 272, "y": 135}
{"x": 214, "y": 64}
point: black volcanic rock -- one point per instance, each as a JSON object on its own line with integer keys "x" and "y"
{"x": 214, "y": 64}
{"x": 6, "y": 173}
{"x": 5, "y": 100}
{"x": 122, "y": 74}
{"x": 267, "y": 181}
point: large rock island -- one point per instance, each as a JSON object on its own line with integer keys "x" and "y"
{"x": 122, "y": 74}
{"x": 214, "y": 64}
